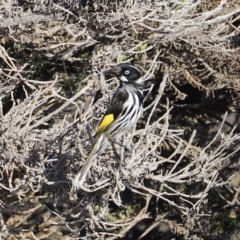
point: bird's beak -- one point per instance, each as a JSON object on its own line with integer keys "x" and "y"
{"x": 113, "y": 71}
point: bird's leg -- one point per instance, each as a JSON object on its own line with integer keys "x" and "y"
{"x": 113, "y": 142}
{"x": 89, "y": 134}
{"x": 119, "y": 144}
{"x": 115, "y": 151}
{"x": 120, "y": 156}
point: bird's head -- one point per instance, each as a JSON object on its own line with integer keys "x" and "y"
{"x": 126, "y": 73}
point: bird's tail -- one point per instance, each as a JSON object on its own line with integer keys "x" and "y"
{"x": 98, "y": 147}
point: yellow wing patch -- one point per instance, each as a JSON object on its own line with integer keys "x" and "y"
{"x": 106, "y": 121}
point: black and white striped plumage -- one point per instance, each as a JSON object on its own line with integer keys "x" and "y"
{"x": 122, "y": 114}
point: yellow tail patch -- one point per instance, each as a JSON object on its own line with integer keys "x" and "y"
{"x": 106, "y": 121}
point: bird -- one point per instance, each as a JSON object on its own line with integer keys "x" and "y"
{"x": 121, "y": 116}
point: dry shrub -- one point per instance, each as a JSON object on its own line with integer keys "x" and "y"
{"x": 175, "y": 174}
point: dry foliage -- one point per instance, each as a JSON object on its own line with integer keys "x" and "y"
{"x": 180, "y": 169}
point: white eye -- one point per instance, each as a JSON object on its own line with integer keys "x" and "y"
{"x": 126, "y": 72}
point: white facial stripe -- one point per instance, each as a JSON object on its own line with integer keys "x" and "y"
{"x": 140, "y": 80}
{"x": 123, "y": 78}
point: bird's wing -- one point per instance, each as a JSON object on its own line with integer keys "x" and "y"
{"x": 113, "y": 111}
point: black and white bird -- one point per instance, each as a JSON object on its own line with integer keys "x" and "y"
{"x": 121, "y": 116}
